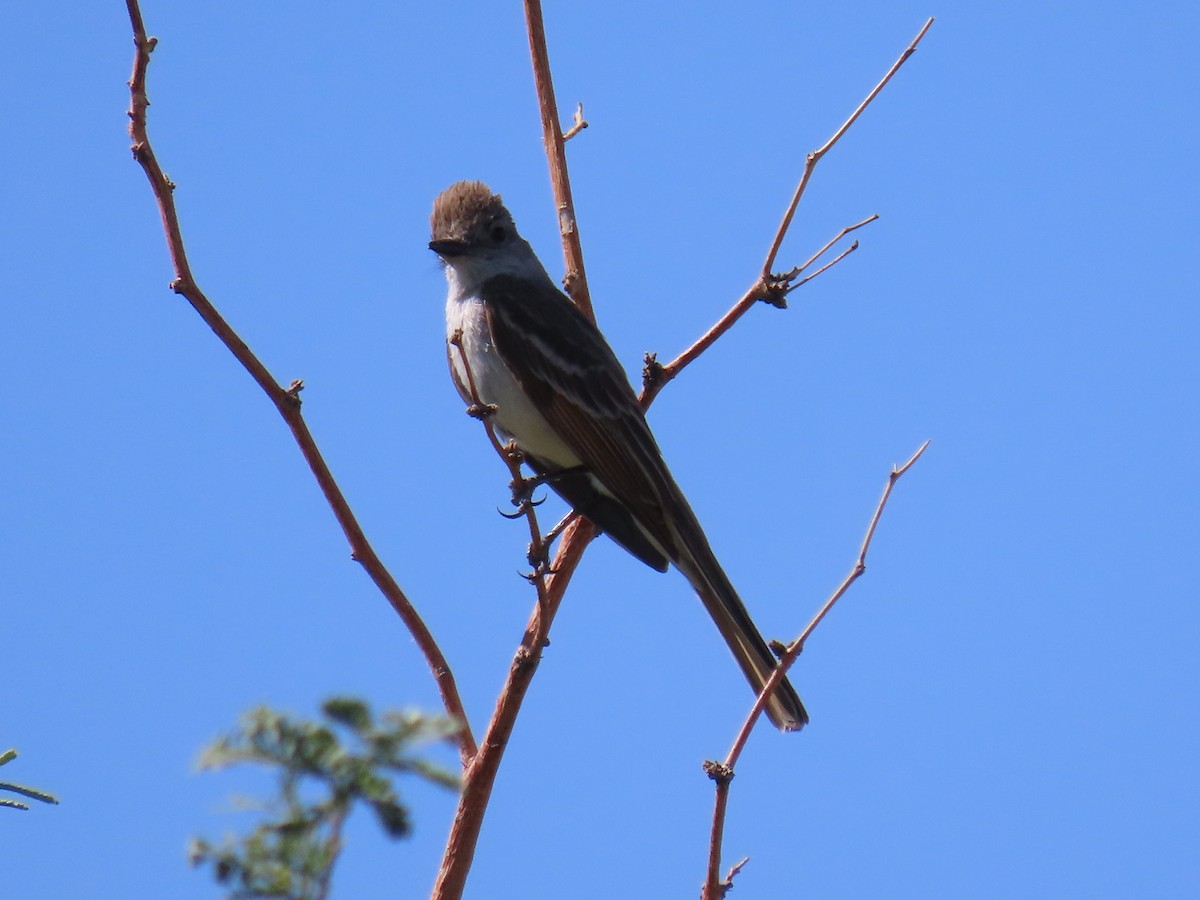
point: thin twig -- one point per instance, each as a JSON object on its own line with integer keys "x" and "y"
{"x": 722, "y": 775}
{"x": 825, "y": 268}
{"x": 794, "y": 648}
{"x": 788, "y": 276}
{"x": 810, "y": 161}
{"x": 712, "y": 887}
{"x": 286, "y": 400}
{"x": 580, "y": 124}
{"x": 727, "y": 882}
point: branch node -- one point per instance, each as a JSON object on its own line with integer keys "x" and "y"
{"x": 481, "y": 411}
{"x": 653, "y": 373}
{"x": 778, "y": 647}
{"x": 718, "y": 771}
{"x": 524, "y": 658}
{"x": 569, "y": 283}
{"x": 291, "y": 394}
{"x": 775, "y": 289}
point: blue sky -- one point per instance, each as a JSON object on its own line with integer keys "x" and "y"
{"x": 1004, "y": 706}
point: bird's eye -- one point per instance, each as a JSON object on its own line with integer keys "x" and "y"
{"x": 499, "y": 234}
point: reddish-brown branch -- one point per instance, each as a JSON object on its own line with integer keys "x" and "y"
{"x": 762, "y": 289}
{"x": 480, "y": 776}
{"x": 769, "y": 287}
{"x": 575, "y": 279}
{"x": 712, "y": 889}
{"x": 722, "y": 775}
{"x": 286, "y": 400}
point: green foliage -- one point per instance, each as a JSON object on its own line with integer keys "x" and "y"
{"x": 32, "y": 793}
{"x": 293, "y": 852}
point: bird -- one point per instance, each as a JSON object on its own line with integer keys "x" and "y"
{"x": 518, "y": 344}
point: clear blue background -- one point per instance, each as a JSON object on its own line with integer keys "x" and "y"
{"x": 1004, "y": 706}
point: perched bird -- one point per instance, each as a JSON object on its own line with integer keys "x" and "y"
{"x": 561, "y": 395}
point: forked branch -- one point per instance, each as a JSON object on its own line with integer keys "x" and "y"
{"x": 810, "y": 161}
{"x": 768, "y": 287}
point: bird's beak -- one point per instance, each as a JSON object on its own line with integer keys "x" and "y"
{"x": 448, "y": 248}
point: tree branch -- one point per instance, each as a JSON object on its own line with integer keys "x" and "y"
{"x": 810, "y": 161}
{"x": 768, "y": 287}
{"x": 575, "y": 280}
{"x": 480, "y": 776}
{"x": 286, "y": 400}
{"x": 657, "y": 376}
{"x": 713, "y": 889}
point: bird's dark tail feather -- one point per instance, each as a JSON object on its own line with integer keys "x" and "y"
{"x": 708, "y": 579}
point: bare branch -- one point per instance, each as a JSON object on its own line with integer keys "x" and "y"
{"x": 480, "y": 776}
{"x": 286, "y": 400}
{"x": 789, "y": 276}
{"x": 713, "y": 889}
{"x": 796, "y": 646}
{"x": 768, "y": 287}
{"x": 727, "y": 882}
{"x": 825, "y": 268}
{"x": 580, "y": 124}
{"x": 810, "y": 162}
{"x": 658, "y": 376}
{"x": 575, "y": 280}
